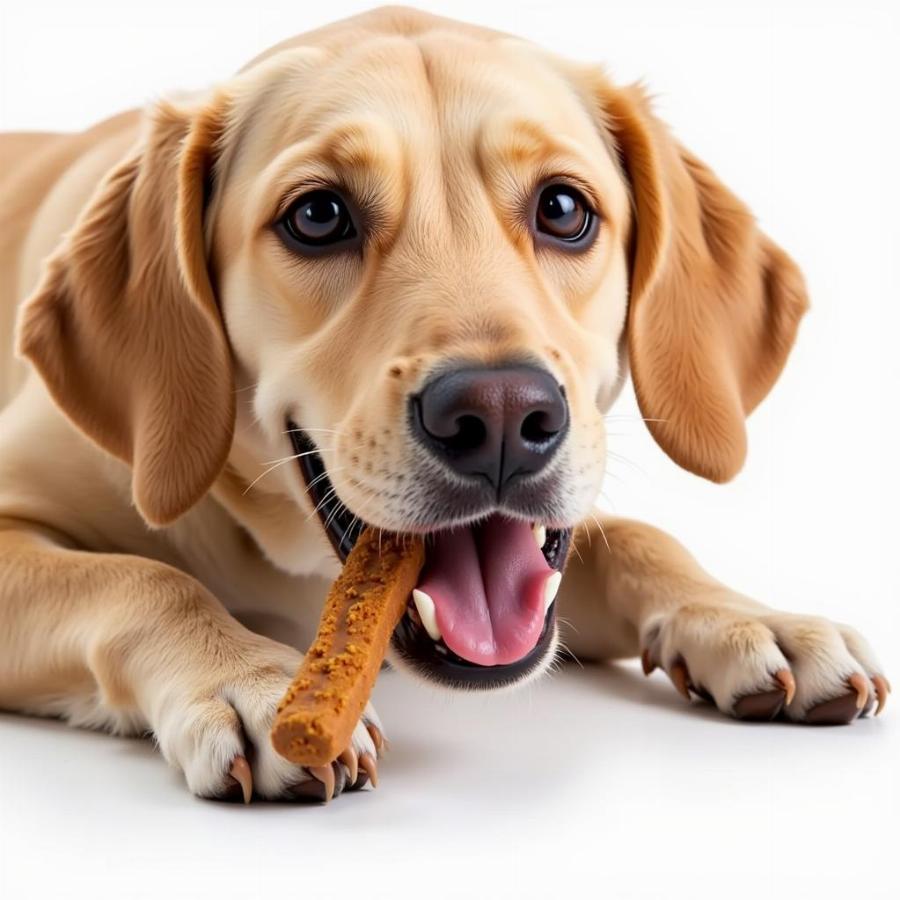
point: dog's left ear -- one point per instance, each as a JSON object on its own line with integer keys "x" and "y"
{"x": 123, "y": 326}
{"x": 714, "y": 304}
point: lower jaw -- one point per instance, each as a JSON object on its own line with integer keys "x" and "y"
{"x": 412, "y": 647}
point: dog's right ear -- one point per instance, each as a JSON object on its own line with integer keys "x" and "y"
{"x": 124, "y": 327}
{"x": 714, "y": 304}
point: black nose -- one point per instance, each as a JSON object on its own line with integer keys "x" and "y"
{"x": 495, "y": 423}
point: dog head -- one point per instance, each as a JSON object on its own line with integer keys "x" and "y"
{"x": 422, "y": 256}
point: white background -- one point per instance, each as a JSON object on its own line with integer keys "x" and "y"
{"x": 593, "y": 783}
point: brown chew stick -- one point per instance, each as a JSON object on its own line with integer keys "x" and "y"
{"x": 324, "y": 703}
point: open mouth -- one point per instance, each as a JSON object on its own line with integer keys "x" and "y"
{"x": 483, "y": 613}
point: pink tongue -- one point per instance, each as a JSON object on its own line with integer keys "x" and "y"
{"x": 487, "y": 584}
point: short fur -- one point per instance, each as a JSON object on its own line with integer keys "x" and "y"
{"x": 150, "y": 578}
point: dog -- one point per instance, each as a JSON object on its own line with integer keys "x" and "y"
{"x": 393, "y": 273}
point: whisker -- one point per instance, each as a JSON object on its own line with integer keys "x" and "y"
{"x": 323, "y": 500}
{"x": 358, "y": 517}
{"x": 631, "y": 417}
{"x": 609, "y": 501}
{"x": 322, "y": 476}
{"x": 587, "y": 531}
{"x": 338, "y": 509}
{"x": 620, "y": 458}
{"x": 353, "y": 521}
{"x": 577, "y": 552}
{"x": 623, "y": 459}
{"x": 326, "y": 497}
{"x": 602, "y": 532}
{"x": 298, "y": 455}
{"x": 270, "y": 469}
{"x": 301, "y": 430}
{"x": 567, "y": 622}
{"x": 565, "y": 647}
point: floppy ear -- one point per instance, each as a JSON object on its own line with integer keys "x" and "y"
{"x": 124, "y": 328}
{"x": 714, "y": 304}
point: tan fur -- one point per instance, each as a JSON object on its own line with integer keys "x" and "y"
{"x": 169, "y": 334}
{"x": 715, "y": 305}
{"x": 124, "y": 327}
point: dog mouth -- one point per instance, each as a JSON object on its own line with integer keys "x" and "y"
{"x": 483, "y": 613}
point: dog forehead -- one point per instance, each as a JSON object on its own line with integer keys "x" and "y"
{"x": 361, "y": 29}
{"x": 424, "y": 88}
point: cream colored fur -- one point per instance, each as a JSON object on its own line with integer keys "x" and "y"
{"x": 164, "y": 335}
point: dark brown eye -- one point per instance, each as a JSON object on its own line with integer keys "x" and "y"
{"x": 562, "y": 213}
{"x": 319, "y": 219}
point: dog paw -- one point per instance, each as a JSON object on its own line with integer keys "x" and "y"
{"x": 761, "y": 665}
{"x": 220, "y": 741}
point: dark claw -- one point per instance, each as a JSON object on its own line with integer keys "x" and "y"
{"x": 315, "y": 791}
{"x": 361, "y": 781}
{"x": 763, "y": 707}
{"x": 703, "y": 693}
{"x": 311, "y": 791}
{"x": 839, "y": 711}
{"x": 340, "y": 778}
{"x": 355, "y": 777}
{"x": 866, "y": 711}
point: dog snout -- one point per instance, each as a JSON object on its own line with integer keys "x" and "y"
{"x": 495, "y": 423}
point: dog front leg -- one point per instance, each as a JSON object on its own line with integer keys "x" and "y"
{"x": 130, "y": 645}
{"x": 631, "y": 589}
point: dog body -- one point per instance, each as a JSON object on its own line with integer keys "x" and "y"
{"x": 185, "y": 319}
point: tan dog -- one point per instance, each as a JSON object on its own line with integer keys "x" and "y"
{"x": 406, "y": 264}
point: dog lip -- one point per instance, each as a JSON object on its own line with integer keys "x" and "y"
{"x": 341, "y": 527}
{"x": 409, "y": 640}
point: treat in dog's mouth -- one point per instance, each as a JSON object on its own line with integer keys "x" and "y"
{"x": 483, "y": 612}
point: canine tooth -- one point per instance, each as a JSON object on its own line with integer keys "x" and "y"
{"x": 551, "y": 586}
{"x": 425, "y": 608}
{"x": 540, "y": 535}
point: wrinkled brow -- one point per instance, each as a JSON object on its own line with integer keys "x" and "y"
{"x": 524, "y": 144}
{"x": 347, "y": 150}
{"x": 524, "y": 141}
{"x": 358, "y": 145}
{"x": 362, "y": 156}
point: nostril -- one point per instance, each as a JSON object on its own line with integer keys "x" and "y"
{"x": 456, "y": 433}
{"x": 494, "y": 423}
{"x": 537, "y": 427}
{"x": 470, "y": 434}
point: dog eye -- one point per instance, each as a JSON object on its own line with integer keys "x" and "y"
{"x": 318, "y": 219}
{"x": 562, "y": 213}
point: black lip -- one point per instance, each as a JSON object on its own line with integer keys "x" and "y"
{"x": 410, "y": 640}
{"x": 416, "y": 649}
{"x": 341, "y": 526}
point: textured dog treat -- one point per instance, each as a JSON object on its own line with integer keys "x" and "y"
{"x": 324, "y": 703}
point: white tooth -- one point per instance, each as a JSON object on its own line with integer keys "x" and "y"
{"x": 551, "y": 586}
{"x": 540, "y": 535}
{"x": 425, "y": 606}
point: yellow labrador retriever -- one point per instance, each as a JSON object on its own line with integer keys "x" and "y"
{"x": 394, "y": 272}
